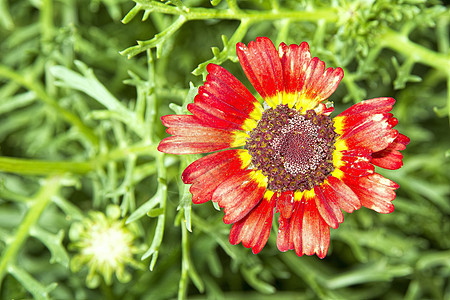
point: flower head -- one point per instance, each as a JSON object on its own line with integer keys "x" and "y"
{"x": 105, "y": 245}
{"x": 289, "y": 155}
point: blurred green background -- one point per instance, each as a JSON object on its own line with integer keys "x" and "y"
{"x": 80, "y": 102}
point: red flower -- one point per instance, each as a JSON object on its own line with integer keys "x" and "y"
{"x": 289, "y": 154}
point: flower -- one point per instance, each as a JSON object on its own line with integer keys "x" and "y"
{"x": 289, "y": 155}
{"x": 106, "y": 245}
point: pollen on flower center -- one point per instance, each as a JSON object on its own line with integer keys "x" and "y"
{"x": 293, "y": 150}
{"x": 108, "y": 245}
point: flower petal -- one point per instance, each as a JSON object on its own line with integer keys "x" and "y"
{"x": 375, "y": 191}
{"x": 306, "y": 231}
{"x": 306, "y": 82}
{"x": 336, "y": 190}
{"x": 295, "y": 60}
{"x": 226, "y": 89}
{"x": 328, "y": 208}
{"x": 391, "y": 158}
{"x": 262, "y": 66}
{"x": 370, "y": 107}
{"x": 315, "y": 232}
{"x": 207, "y": 173}
{"x": 200, "y": 141}
{"x": 239, "y": 194}
{"x": 285, "y": 204}
{"x": 214, "y": 117}
{"x": 192, "y": 136}
{"x": 369, "y": 126}
{"x": 224, "y": 101}
{"x": 254, "y": 229}
{"x": 357, "y": 162}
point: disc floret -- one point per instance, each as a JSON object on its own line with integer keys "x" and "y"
{"x": 293, "y": 150}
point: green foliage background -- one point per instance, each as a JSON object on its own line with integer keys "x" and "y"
{"x": 80, "y": 103}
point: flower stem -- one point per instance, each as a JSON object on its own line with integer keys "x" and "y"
{"x": 418, "y": 53}
{"x": 183, "y": 284}
{"x": 46, "y": 20}
{"x": 40, "y": 167}
{"x": 49, "y": 188}
{"x": 199, "y": 13}
{"x": 43, "y": 167}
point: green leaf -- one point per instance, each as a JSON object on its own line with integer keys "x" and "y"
{"x": 144, "y": 208}
{"x": 156, "y": 42}
{"x": 39, "y": 291}
{"x": 87, "y": 83}
{"x": 54, "y": 243}
{"x": 251, "y": 276}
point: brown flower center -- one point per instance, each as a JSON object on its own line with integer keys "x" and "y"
{"x": 294, "y": 151}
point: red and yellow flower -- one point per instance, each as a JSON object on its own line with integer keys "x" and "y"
{"x": 286, "y": 155}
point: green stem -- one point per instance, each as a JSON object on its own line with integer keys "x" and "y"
{"x": 448, "y": 98}
{"x": 46, "y": 20}
{"x": 34, "y": 86}
{"x": 199, "y": 13}
{"x": 182, "y": 288}
{"x": 162, "y": 195}
{"x": 37, "y": 206}
{"x": 42, "y": 167}
{"x": 418, "y": 53}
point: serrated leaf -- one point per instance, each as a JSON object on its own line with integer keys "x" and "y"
{"x": 53, "y": 242}
{"x": 144, "y": 208}
{"x": 251, "y": 276}
{"x": 157, "y": 41}
{"x": 39, "y": 291}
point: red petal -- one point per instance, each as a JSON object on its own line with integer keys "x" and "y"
{"x": 375, "y": 191}
{"x": 183, "y": 145}
{"x": 368, "y": 107}
{"x": 214, "y": 117}
{"x": 305, "y": 76}
{"x": 194, "y": 140}
{"x": 315, "y": 232}
{"x": 196, "y": 132}
{"x": 328, "y": 83}
{"x": 238, "y": 195}
{"x": 295, "y": 60}
{"x": 182, "y": 121}
{"x": 357, "y": 162}
{"x": 262, "y": 66}
{"x": 390, "y": 158}
{"x": 285, "y": 204}
{"x": 208, "y": 172}
{"x": 368, "y": 124}
{"x": 223, "y": 101}
{"x": 295, "y": 228}
{"x": 227, "y": 90}
{"x": 284, "y": 242}
{"x": 254, "y": 229}
{"x": 342, "y": 194}
{"x": 192, "y": 136}
{"x": 328, "y": 208}
{"x": 306, "y": 231}
{"x": 313, "y": 76}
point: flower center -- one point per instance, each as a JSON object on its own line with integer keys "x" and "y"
{"x": 294, "y": 151}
